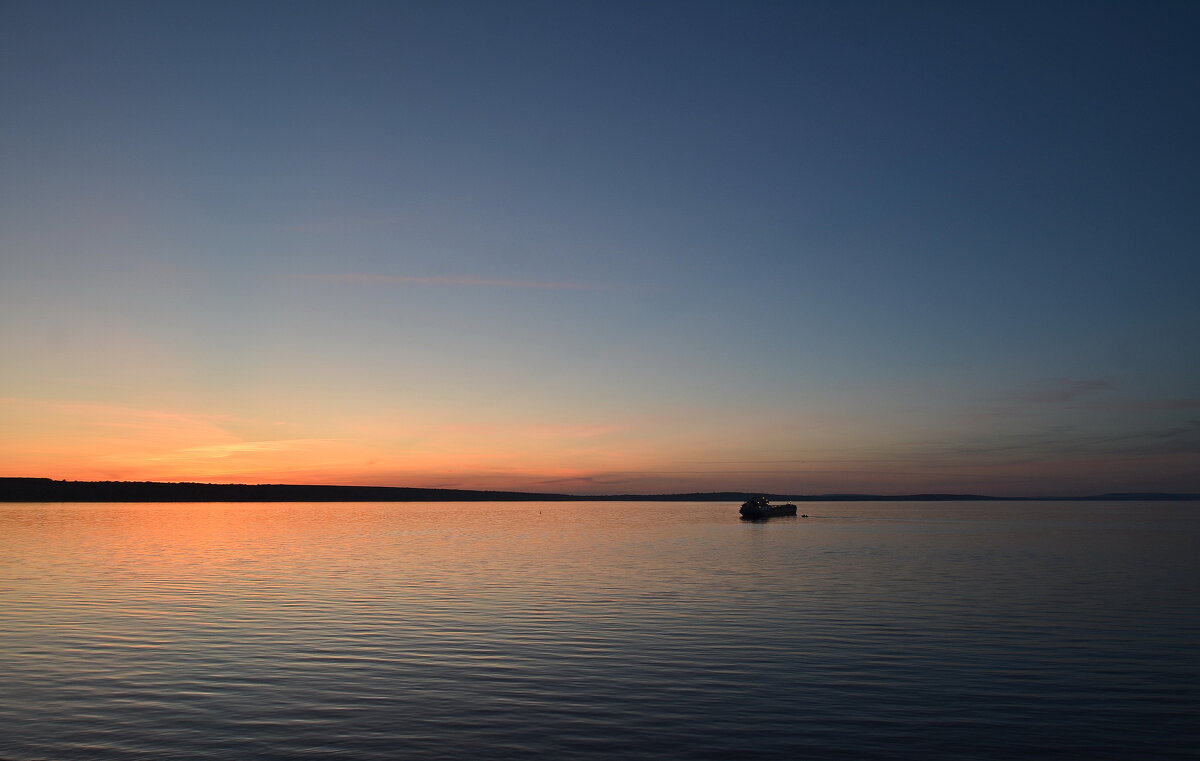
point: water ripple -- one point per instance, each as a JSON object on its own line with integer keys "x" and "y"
{"x": 598, "y": 630}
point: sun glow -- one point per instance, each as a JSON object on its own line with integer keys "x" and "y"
{"x": 110, "y": 442}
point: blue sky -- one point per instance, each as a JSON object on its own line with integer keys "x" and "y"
{"x": 604, "y": 247}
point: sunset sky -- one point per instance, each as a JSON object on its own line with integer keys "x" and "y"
{"x": 603, "y": 247}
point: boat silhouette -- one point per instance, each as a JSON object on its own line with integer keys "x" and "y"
{"x": 759, "y": 507}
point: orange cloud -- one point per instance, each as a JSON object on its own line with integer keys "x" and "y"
{"x": 101, "y": 441}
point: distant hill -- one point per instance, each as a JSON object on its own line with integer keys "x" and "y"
{"x": 49, "y": 490}
{"x": 1142, "y": 495}
{"x": 742, "y": 496}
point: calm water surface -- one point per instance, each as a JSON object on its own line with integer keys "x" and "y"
{"x": 599, "y": 630}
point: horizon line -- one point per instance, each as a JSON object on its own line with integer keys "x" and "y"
{"x": 845, "y": 496}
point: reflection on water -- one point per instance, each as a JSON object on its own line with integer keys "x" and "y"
{"x": 598, "y": 630}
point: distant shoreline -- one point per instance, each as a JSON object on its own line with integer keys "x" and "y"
{"x": 50, "y": 490}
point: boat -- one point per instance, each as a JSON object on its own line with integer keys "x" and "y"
{"x": 759, "y": 507}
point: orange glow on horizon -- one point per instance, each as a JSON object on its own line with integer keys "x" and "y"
{"x": 78, "y": 441}
{"x": 98, "y": 442}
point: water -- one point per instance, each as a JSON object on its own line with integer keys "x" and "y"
{"x": 599, "y": 630}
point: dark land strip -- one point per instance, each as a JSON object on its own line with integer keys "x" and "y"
{"x": 49, "y": 490}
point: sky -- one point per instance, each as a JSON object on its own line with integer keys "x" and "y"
{"x": 603, "y": 247}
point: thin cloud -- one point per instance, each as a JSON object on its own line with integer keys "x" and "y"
{"x": 1056, "y": 444}
{"x": 1065, "y": 394}
{"x": 377, "y": 279}
{"x": 1179, "y": 439}
{"x": 229, "y": 450}
{"x": 1061, "y": 391}
{"x": 1152, "y": 405}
